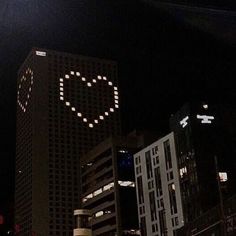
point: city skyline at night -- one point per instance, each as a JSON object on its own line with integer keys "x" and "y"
{"x": 167, "y": 54}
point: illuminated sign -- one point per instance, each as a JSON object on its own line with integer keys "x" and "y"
{"x": 41, "y": 54}
{"x": 89, "y": 84}
{"x": 205, "y": 119}
{"x": 28, "y": 75}
{"x": 184, "y": 122}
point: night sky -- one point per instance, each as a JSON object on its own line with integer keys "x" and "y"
{"x": 167, "y": 55}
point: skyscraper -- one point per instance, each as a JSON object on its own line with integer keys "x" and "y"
{"x": 204, "y": 132}
{"x": 66, "y": 104}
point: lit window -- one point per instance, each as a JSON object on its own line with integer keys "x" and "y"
{"x": 83, "y": 79}
{"x": 126, "y": 183}
{"x": 79, "y": 114}
{"x": 77, "y": 73}
{"x": 72, "y": 72}
{"x": 115, "y": 88}
{"x": 99, "y": 77}
{"x": 183, "y": 171}
{"x": 116, "y": 101}
{"x": 104, "y": 78}
{"x": 116, "y": 106}
{"x": 61, "y": 89}
{"x": 173, "y": 186}
{"x": 111, "y": 109}
{"x": 106, "y": 113}
{"x": 89, "y": 84}
{"x": 101, "y": 117}
{"x": 67, "y": 76}
{"x": 61, "y": 93}
{"x": 73, "y": 108}
{"x": 98, "y": 214}
{"x": 61, "y": 80}
{"x": 91, "y": 125}
{"x": 115, "y": 92}
{"x": 67, "y": 104}
{"x": 96, "y": 121}
{"x": 223, "y": 176}
{"x": 94, "y": 81}
{"x": 61, "y": 98}
{"x": 61, "y": 84}
{"x": 110, "y": 83}
{"x": 116, "y": 97}
{"x": 85, "y": 120}
{"x": 97, "y": 192}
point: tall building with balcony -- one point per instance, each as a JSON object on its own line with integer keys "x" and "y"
{"x": 158, "y": 189}
{"x": 66, "y": 104}
{"x": 108, "y": 187}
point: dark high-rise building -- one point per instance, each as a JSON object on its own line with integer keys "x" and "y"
{"x": 204, "y": 134}
{"x": 66, "y": 104}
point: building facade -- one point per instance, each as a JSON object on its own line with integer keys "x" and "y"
{"x": 66, "y": 104}
{"x": 108, "y": 187}
{"x": 205, "y": 143}
{"x": 158, "y": 189}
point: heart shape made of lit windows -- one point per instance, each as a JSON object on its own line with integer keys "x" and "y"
{"x": 25, "y": 89}
{"x": 89, "y": 84}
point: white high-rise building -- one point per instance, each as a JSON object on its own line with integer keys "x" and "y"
{"x": 158, "y": 190}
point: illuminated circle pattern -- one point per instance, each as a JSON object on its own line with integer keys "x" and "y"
{"x": 101, "y": 116}
{"x": 28, "y": 75}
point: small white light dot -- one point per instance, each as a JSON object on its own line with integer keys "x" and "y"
{"x": 67, "y": 104}
{"x": 90, "y": 125}
{"x": 19, "y": 86}
{"x": 28, "y": 96}
{"x": 72, "y": 72}
{"x": 104, "y": 78}
{"x": 115, "y": 92}
{"x": 79, "y": 114}
{"x": 77, "y": 73}
{"x": 26, "y": 103}
{"x": 115, "y": 88}
{"x": 96, "y": 121}
{"x": 99, "y": 77}
{"x": 116, "y": 101}
{"x": 106, "y": 113}
{"x": 61, "y": 98}
{"x": 116, "y": 97}
{"x": 101, "y": 117}
{"x": 111, "y": 109}
{"x": 73, "y": 108}
{"x": 110, "y": 83}
{"x": 61, "y": 89}
{"x": 89, "y": 84}
{"x": 116, "y": 106}
{"x": 61, "y": 80}
{"x": 94, "y": 81}
{"x": 61, "y": 93}
{"x": 83, "y": 79}
{"x": 67, "y": 76}
{"x": 30, "y": 89}
{"x": 85, "y": 120}
{"x": 61, "y": 84}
